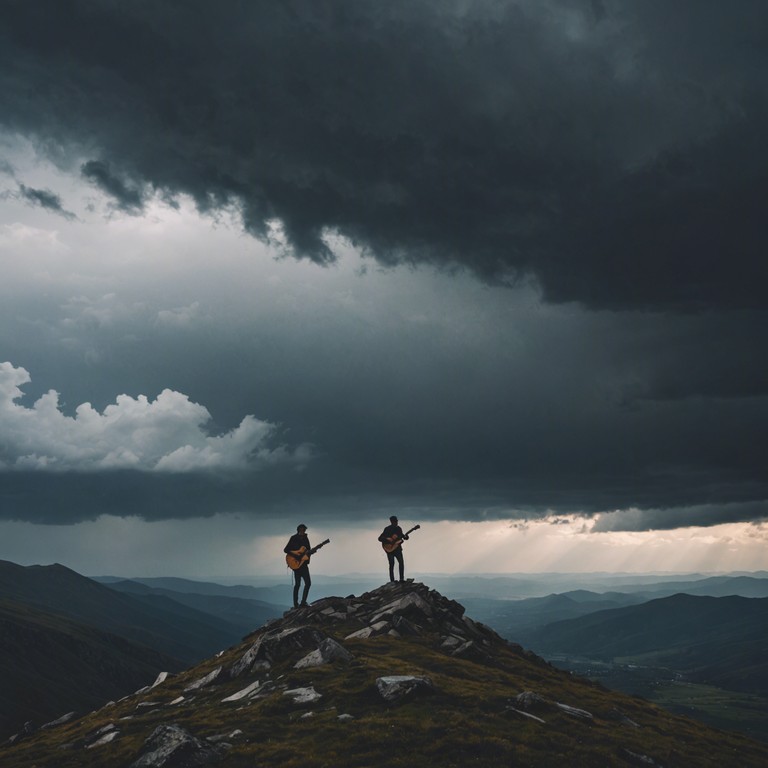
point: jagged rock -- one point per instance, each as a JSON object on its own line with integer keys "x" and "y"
{"x": 171, "y": 746}
{"x": 530, "y": 701}
{"x": 361, "y": 634}
{"x": 618, "y": 716}
{"x": 472, "y": 651}
{"x": 395, "y": 687}
{"x": 58, "y": 721}
{"x": 527, "y": 715}
{"x": 582, "y": 714}
{"x": 204, "y": 680}
{"x": 274, "y": 646}
{"x": 247, "y": 691}
{"x": 101, "y": 736}
{"x": 405, "y": 627}
{"x": 306, "y": 695}
{"x": 161, "y": 678}
{"x": 328, "y": 650}
{"x": 27, "y": 729}
{"x": 102, "y": 740}
{"x": 222, "y": 738}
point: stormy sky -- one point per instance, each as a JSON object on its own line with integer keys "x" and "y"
{"x": 495, "y": 266}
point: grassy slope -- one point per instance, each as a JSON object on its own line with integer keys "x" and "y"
{"x": 464, "y": 723}
{"x": 49, "y": 666}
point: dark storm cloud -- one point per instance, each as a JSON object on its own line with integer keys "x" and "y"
{"x": 127, "y": 199}
{"x": 668, "y": 519}
{"x": 613, "y": 150}
{"x": 45, "y": 199}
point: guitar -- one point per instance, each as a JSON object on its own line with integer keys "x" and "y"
{"x": 393, "y": 542}
{"x": 297, "y": 557}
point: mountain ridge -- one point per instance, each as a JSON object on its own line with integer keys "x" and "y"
{"x": 398, "y": 675}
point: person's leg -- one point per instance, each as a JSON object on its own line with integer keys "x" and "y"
{"x": 307, "y": 583}
{"x": 400, "y": 563}
{"x": 296, "y": 582}
{"x": 391, "y": 560}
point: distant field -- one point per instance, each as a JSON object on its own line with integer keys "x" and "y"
{"x": 729, "y": 710}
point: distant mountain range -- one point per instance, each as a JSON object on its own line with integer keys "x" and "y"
{"x": 241, "y": 613}
{"x": 154, "y": 621}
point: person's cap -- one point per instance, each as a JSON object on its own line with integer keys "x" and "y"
{"x": 393, "y": 519}
{"x": 301, "y": 526}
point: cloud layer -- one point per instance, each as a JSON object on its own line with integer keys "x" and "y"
{"x": 579, "y": 143}
{"x": 165, "y": 435}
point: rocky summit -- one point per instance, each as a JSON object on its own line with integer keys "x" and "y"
{"x": 397, "y": 676}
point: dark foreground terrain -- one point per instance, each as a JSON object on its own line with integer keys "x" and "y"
{"x": 398, "y": 676}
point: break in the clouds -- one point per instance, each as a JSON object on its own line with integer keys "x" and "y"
{"x": 612, "y": 151}
{"x": 165, "y": 435}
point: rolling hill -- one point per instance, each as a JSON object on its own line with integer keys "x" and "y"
{"x": 243, "y": 613}
{"x": 717, "y": 640}
{"x": 50, "y": 665}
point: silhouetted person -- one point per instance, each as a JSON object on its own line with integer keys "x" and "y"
{"x": 299, "y": 543}
{"x": 393, "y": 536}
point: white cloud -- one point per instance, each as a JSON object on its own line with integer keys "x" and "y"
{"x": 164, "y": 435}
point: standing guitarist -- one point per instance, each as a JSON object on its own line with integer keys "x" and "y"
{"x": 393, "y": 534}
{"x": 297, "y": 545}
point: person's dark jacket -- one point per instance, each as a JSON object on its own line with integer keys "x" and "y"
{"x": 297, "y": 541}
{"x": 390, "y": 531}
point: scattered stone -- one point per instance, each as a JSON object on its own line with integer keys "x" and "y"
{"x": 306, "y": 695}
{"x": 618, "y": 716}
{"x": 27, "y": 729}
{"x": 177, "y": 700}
{"x": 582, "y": 714}
{"x": 247, "y": 691}
{"x": 345, "y": 718}
{"x": 361, "y": 634}
{"x": 328, "y": 650}
{"x": 395, "y": 687}
{"x": 530, "y": 701}
{"x": 161, "y": 678}
{"x": 204, "y": 680}
{"x": 173, "y": 746}
{"x": 307, "y": 716}
{"x": 59, "y": 721}
{"x": 525, "y": 714}
{"x": 222, "y": 738}
{"x": 146, "y": 704}
{"x": 105, "y": 739}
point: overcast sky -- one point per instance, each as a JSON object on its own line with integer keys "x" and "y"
{"x": 497, "y": 267}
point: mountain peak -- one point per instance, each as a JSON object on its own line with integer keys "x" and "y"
{"x": 399, "y": 674}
